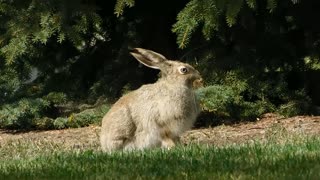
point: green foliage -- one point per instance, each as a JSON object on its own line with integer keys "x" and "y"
{"x": 208, "y": 14}
{"x": 217, "y": 98}
{"x": 9, "y": 83}
{"x": 32, "y": 114}
{"x": 233, "y": 9}
{"x": 45, "y": 21}
{"x": 229, "y": 102}
{"x": 254, "y": 55}
{"x": 312, "y": 63}
{"x": 121, "y": 4}
{"x": 242, "y": 94}
{"x": 297, "y": 104}
{"x": 27, "y": 113}
{"x": 56, "y": 98}
{"x": 84, "y": 118}
{"x": 251, "y": 3}
{"x": 246, "y": 92}
{"x": 39, "y": 46}
{"x": 23, "y": 113}
{"x": 195, "y": 13}
{"x": 253, "y": 62}
{"x": 271, "y": 5}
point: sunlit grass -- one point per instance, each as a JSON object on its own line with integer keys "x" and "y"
{"x": 296, "y": 158}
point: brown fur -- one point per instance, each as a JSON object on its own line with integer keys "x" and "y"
{"x": 155, "y": 115}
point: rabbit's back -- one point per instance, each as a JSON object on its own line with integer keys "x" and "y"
{"x": 166, "y": 105}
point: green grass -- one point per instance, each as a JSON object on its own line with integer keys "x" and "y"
{"x": 295, "y": 159}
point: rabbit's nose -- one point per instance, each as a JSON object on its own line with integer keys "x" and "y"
{"x": 198, "y": 83}
{"x": 201, "y": 82}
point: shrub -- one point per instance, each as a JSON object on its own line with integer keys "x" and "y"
{"x": 226, "y": 101}
{"x": 294, "y": 108}
{"x": 21, "y": 114}
{"x": 43, "y": 113}
{"x": 84, "y": 118}
{"x": 217, "y": 98}
{"x": 29, "y": 113}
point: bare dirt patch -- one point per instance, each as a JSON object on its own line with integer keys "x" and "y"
{"x": 254, "y": 131}
{"x": 223, "y": 134}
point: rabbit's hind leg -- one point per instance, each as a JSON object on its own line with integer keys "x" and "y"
{"x": 168, "y": 140}
{"x": 147, "y": 139}
{"x": 111, "y": 144}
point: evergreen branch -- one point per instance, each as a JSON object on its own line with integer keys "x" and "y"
{"x": 44, "y": 21}
{"x": 121, "y": 4}
{"x": 271, "y": 5}
{"x": 295, "y": 1}
{"x": 183, "y": 44}
{"x": 251, "y": 3}
{"x": 233, "y": 9}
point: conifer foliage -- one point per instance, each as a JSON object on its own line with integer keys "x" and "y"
{"x": 28, "y": 25}
{"x": 62, "y": 62}
{"x": 33, "y": 34}
{"x": 208, "y": 14}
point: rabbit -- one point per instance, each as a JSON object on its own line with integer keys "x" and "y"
{"x": 155, "y": 115}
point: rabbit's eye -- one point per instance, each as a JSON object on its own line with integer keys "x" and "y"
{"x": 183, "y": 70}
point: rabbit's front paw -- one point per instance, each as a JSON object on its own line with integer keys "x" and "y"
{"x": 167, "y": 143}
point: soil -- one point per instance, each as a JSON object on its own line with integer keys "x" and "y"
{"x": 219, "y": 135}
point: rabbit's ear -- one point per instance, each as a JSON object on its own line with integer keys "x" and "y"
{"x": 148, "y": 58}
